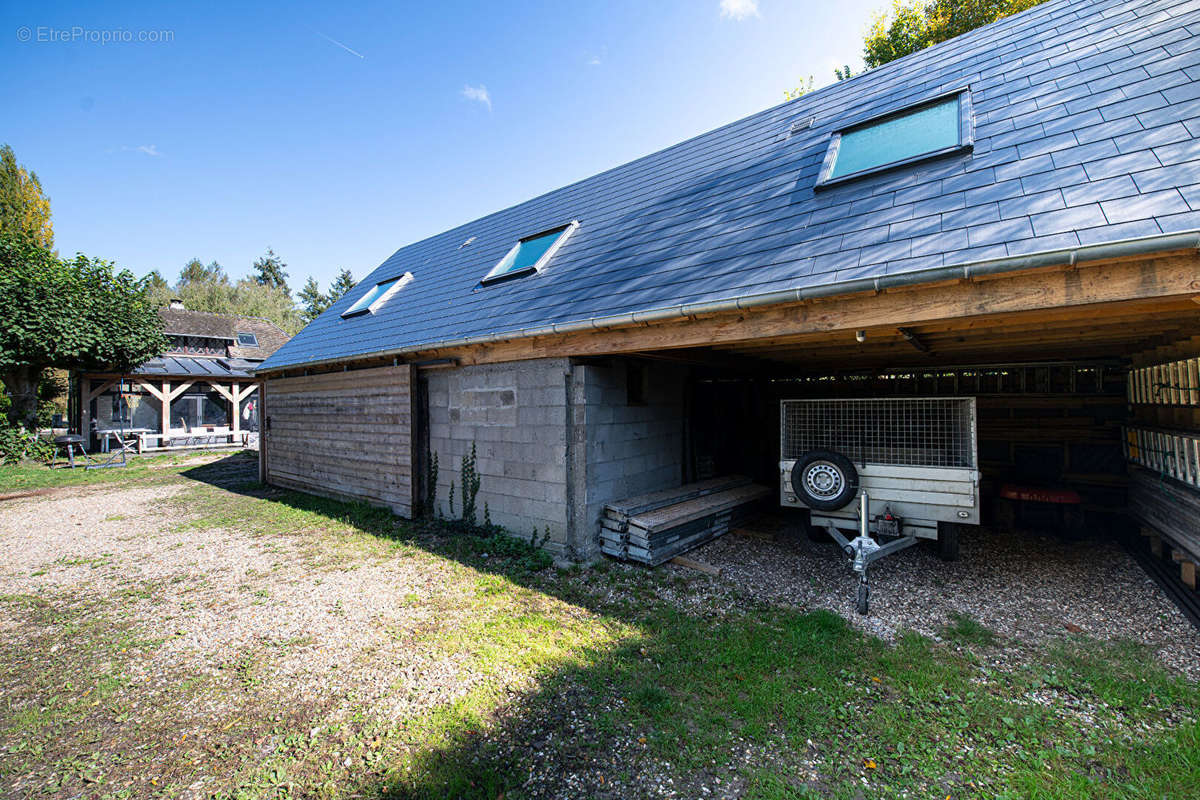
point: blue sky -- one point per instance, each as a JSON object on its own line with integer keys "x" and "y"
{"x": 338, "y": 133}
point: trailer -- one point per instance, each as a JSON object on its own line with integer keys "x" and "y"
{"x": 896, "y": 470}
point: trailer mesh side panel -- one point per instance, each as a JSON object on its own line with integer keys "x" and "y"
{"x": 918, "y": 432}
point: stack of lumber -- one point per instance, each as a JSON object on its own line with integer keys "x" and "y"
{"x": 1168, "y": 506}
{"x": 654, "y": 528}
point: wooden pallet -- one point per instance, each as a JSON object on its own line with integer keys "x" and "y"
{"x": 657, "y": 527}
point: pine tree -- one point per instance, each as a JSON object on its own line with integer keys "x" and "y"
{"x": 343, "y": 283}
{"x": 270, "y": 269}
{"x": 312, "y": 301}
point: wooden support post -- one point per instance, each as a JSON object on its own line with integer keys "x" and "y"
{"x": 165, "y": 399}
{"x": 1187, "y": 572}
{"x": 262, "y": 431}
{"x": 236, "y": 399}
{"x": 85, "y": 407}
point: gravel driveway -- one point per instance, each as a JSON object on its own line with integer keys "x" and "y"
{"x": 190, "y": 637}
{"x": 1024, "y": 586}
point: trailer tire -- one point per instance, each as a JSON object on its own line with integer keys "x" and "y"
{"x": 825, "y": 480}
{"x": 947, "y": 541}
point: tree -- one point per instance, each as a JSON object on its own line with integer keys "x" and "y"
{"x": 270, "y": 269}
{"x": 24, "y": 208}
{"x": 917, "y": 24}
{"x": 67, "y": 314}
{"x": 312, "y": 301}
{"x": 249, "y": 298}
{"x": 799, "y": 91}
{"x": 205, "y": 287}
{"x": 158, "y": 292}
{"x": 343, "y": 283}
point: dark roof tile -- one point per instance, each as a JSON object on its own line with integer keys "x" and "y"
{"x": 1061, "y": 95}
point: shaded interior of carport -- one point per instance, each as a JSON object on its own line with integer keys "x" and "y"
{"x": 1060, "y": 395}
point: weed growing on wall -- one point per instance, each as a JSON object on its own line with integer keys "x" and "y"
{"x": 431, "y": 478}
{"x": 470, "y": 486}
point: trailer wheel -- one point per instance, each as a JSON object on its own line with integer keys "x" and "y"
{"x": 862, "y": 599}
{"x": 825, "y": 480}
{"x": 947, "y": 541}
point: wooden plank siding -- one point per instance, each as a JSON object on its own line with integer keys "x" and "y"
{"x": 343, "y": 434}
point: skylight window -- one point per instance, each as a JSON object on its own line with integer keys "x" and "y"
{"x": 931, "y": 129}
{"x": 530, "y": 254}
{"x": 377, "y": 295}
{"x": 247, "y": 340}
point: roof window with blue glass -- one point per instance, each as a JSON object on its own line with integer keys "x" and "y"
{"x": 933, "y": 128}
{"x": 530, "y": 254}
{"x": 377, "y": 295}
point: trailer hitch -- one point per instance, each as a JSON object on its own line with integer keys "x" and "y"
{"x": 864, "y": 550}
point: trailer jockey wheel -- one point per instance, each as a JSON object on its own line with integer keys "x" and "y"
{"x": 825, "y": 480}
{"x": 862, "y": 599}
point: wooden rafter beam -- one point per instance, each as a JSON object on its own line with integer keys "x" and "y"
{"x": 1162, "y": 277}
{"x": 178, "y": 390}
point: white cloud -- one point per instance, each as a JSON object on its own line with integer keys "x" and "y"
{"x": 594, "y": 61}
{"x": 739, "y": 9}
{"x": 479, "y": 94}
{"x": 148, "y": 149}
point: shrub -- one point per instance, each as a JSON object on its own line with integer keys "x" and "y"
{"x": 18, "y": 444}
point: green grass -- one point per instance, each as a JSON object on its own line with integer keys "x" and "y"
{"x": 967, "y": 630}
{"x": 28, "y": 476}
{"x": 594, "y": 672}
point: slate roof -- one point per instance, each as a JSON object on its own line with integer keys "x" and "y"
{"x": 1087, "y": 130}
{"x": 225, "y": 326}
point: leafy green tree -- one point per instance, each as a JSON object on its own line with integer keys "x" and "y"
{"x": 67, "y": 314}
{"x": 205, "y": 287}
{"x": 249, "y": 298}
{"x": 799, "y": 91}
{"x": 312, "y": 300}
{"x": 24, "y": 208}
{"x": 343, "y": 283}
{"x": 917, "y": 24}
{"x": 270, "y": 271}
{"x": 158, "y": 291}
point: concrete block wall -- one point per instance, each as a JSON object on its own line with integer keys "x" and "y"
{"x": 631, "y": 448}
{"x": 555, "y": 441}
{"x": 516, "y": 415}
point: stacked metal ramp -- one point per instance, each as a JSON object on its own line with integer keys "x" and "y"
{"x": 654, "y": 528}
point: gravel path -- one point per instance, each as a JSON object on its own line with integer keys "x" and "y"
{"x": 306, "y": 626}
{"x": 1025, "y": 587}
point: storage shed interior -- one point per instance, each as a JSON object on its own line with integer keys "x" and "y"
{"x": 1080, "y": 401}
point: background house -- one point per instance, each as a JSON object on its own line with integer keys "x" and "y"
{"x": 1011, "y": 215}
{"x": 200, "y": 393}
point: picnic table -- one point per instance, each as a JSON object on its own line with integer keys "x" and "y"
{"x": 126, "y": 439}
